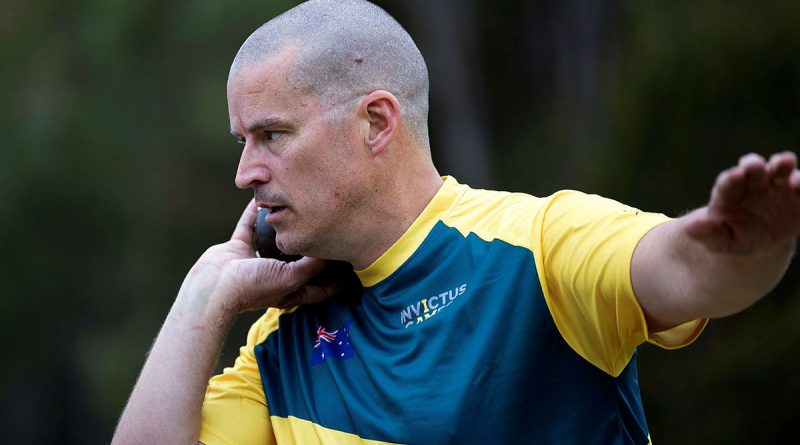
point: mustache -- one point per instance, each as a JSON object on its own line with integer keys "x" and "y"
{"x": 275, "y": 198}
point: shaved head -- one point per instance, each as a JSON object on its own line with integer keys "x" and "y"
{"x": 346, "y": 49}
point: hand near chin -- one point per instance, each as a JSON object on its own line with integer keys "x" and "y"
{"x": 754, "y": 207}
{"x": 228, "y": 279}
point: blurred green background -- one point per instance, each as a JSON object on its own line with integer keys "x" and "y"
{"x": 116, "y": 173}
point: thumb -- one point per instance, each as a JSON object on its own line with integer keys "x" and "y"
{"x": 701, "y": 227}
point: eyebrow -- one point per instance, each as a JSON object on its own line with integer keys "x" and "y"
{"x": 261, "y": 124}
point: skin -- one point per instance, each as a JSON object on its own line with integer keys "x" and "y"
{"x": 297, "y": 160}
{"x": 354, "y": 181}
{"x": 330, "y": 170}
{"x": 722, "y": 258}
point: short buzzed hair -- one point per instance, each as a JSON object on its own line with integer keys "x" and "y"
{"x": 346, "y": 48}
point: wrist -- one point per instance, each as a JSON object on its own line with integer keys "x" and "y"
{"x": 199, "y": 311}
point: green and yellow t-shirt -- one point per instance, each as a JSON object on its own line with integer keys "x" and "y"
{"x": 496, "y": 318}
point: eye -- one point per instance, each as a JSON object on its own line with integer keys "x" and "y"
{"x": 272, "y": 135}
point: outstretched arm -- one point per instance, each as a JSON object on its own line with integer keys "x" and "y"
{"x": 722, "y": 258}
{"x": 227, "y": 279}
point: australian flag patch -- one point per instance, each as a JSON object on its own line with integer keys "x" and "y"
{"x": 332, "y": 344}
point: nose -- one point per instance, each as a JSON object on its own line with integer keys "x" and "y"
{"x": 252, "y": 169}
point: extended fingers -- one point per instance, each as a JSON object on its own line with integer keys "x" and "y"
{"x": 295, "y": 281}
{"x": 729, "y": 186}
{"x": 310, "y": 294}
{"x": 754, "y": 174}
{"x": 755, "y": 169}
{"x": 752, "y": 204}
{"x": 306, "y": 268}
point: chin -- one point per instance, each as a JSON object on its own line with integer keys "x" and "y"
{"x": 290, "y": 245}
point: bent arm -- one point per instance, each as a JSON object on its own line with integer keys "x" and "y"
{"x": 722, "y": 258}
{"x": 166, "y": 402}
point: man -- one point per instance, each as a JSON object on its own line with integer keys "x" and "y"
{"x": 485, "y": 317}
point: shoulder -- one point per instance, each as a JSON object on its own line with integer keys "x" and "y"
{"x": 497, "y": 214}
{"x": 266, "y": 325}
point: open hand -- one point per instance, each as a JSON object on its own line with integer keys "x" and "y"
{"x": 754, "y": 206}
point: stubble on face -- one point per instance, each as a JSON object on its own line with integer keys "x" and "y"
{"x": 330, "y": 193}
{"x": 318, "y": 174}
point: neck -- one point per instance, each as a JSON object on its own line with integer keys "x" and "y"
{"x": 402, "y": 200}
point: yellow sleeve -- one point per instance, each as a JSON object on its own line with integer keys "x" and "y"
{"x": 235, "y": 410}
{"x": 585, "y": 245}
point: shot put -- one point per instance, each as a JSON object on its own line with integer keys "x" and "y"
{"x": 264, "y": 240}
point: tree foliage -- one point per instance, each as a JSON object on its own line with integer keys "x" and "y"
{"x": 116, "y": 172}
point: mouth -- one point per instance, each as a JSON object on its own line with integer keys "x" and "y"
{"x": 274, "y": 209}
{"x": 273, "y": 202}
{"x": 273, "y": 213}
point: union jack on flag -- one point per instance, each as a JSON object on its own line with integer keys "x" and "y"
{"x": 332, "y": 343}
{"x": 322, "y": 334}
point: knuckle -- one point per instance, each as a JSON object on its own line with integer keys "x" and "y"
{"x": 213, "y": 249}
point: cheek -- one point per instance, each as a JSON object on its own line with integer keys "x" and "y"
{"x": 329, "y": 170}
{"x": 316, "y": 183}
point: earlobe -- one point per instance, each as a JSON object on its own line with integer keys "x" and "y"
{"x": 383, "y": 113}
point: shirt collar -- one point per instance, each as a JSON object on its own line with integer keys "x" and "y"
{"x": 443, "y": 201}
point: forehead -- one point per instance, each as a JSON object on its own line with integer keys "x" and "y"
{"x": 268, "y": 68}
{"x": 265, "y": 87}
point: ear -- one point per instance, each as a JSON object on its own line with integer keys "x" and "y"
{"x": 382, "y": 111}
